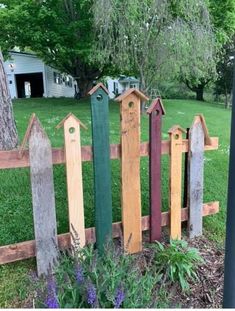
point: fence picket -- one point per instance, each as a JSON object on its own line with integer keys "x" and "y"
{"x": 195, "y": 176}
{"x": 130, "y": 169}
{"x": 102, "y": 165}
{"x": 155, "y": 111}
{"x": 74, "y": 178}
{"x": 175, "y": 180}
{"x": 43, "y": 197}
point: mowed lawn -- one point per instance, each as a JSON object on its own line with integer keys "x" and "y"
{"x": 15, "y": 193}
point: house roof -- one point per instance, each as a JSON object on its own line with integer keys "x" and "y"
{"x": 128, "y": 79}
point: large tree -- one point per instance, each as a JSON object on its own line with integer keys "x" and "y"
{"x": 156, "y": 39}
{"x": 8, "y": 132}
{"x": 59, "y": 31}
{"x": 223, "y": 20}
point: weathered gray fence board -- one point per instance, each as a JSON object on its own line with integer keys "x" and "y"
{"x": 41, "y": 171}
{"x": 195, "y": 184}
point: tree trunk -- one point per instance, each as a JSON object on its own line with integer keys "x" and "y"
{"x": 199, "y": 92}
{"x": 84, "y": 86}
{"x": 8, "y": 131}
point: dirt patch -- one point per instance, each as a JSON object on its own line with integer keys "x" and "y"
{"x": 207, "y": 292}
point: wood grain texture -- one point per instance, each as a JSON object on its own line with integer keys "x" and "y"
{"x": 130, "y": 173}
{"x": 25, "y": 250}
{"x": 195, "y": 183}
{"x": 155, "y": 134}
{"x": 101, "y": 167}
{"x": 10, "y": 159}
{"x": 43, "y": 198}
{"x": 175, "y": 179}
{"x": 74, "y": 180}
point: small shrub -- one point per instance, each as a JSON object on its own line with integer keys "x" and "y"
{"x": 87, "y": 280}
{"x": 176, "y": 262}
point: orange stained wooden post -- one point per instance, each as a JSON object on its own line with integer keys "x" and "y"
{"x": 74, "y": 177}
{"x": 130, "y": 169}
{"x": 176, "y": 143}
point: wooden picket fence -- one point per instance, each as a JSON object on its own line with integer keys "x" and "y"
{"x": 40, "y": 157}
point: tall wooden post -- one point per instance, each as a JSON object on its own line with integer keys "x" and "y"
{"x": 175, "y": 180}
{"x": 130, "y": 169}
{"x": 74, "y": 178}
{"x": 102, "y": 165}
{"x": 43, "y": 197}
{"x": 195, "y": 175}
{"x": 155, "y": 111}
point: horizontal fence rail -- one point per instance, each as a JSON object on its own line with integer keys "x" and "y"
{"x": 26, "y": 250}
{"x": 11, "y": 159}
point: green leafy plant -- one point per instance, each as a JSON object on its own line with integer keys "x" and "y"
{"x": 88, "y": 280}
{"x": 176, "y": 262}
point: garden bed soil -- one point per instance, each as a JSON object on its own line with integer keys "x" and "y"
{"x": 207, "y": 292}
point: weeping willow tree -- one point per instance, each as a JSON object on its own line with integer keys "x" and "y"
{"x": 8, "y": 132}
{"x": 155, "y": 39}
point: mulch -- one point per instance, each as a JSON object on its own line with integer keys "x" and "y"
{"x": 207, "y": 292}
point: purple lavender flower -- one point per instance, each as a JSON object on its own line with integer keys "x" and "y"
{"x": 51, "y": 300}
{"x": 119, "y": 298}
{"x": 79, "y": 274}
{"x": 91, "y": 295}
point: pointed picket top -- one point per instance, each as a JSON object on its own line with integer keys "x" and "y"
{"x": 95, "y": 88}
{"x": 201, "y": 119}
{"x": 156, "y": 105}
{"x": 129, "y": 92}
{"x": 70, "y": 116}
{"x": 176, "y": 128}
{"x": 33, "y": 120}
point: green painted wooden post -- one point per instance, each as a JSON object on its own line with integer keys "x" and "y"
{"x": 101, "y": 162}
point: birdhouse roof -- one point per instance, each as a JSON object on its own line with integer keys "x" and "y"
{"x": 156, "y": 102}
{"x": 75, "y": 118}
{"x": 95, "y": 88}
{"x": 175, "y": 128}
{"x": 132, "y": 91}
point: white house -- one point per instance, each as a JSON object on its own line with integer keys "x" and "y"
{"x": 119, "y": 85}
{"x": 28, "y": 76}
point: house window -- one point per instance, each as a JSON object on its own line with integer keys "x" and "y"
{"x": 68, "y": 81}
{"x": 115, "y": 87}
{"x": 58, "y": 78}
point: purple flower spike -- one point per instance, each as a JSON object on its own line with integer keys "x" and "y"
{"x": 51, "y": 300}
{"x": 91, "y": 295}
{"x": 79, "y": 274}
{"x": 119, "y": 298}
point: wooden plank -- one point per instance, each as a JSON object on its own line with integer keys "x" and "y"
{"x": 25, "y": 250}
{"x": 10, "y": 159}
{"x": 74, "y": 179}
{"x": 195, "y": 182}
{"x": 155, "y": 111}
{"x": 185, "y": 200}
{"x": 101, "y": 165}
{"x": 43, "y": 198}
{"x": 130, "y": 172}
{"x": 175, "y": 179}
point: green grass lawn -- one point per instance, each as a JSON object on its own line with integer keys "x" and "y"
{"x": 15, "y": 194}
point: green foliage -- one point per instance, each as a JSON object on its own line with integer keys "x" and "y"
{"x": 156, "y": 40}
{"x": 177, "y": 262}
{"x": 88, "y": 280}
{"x": 60, "y": 32}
